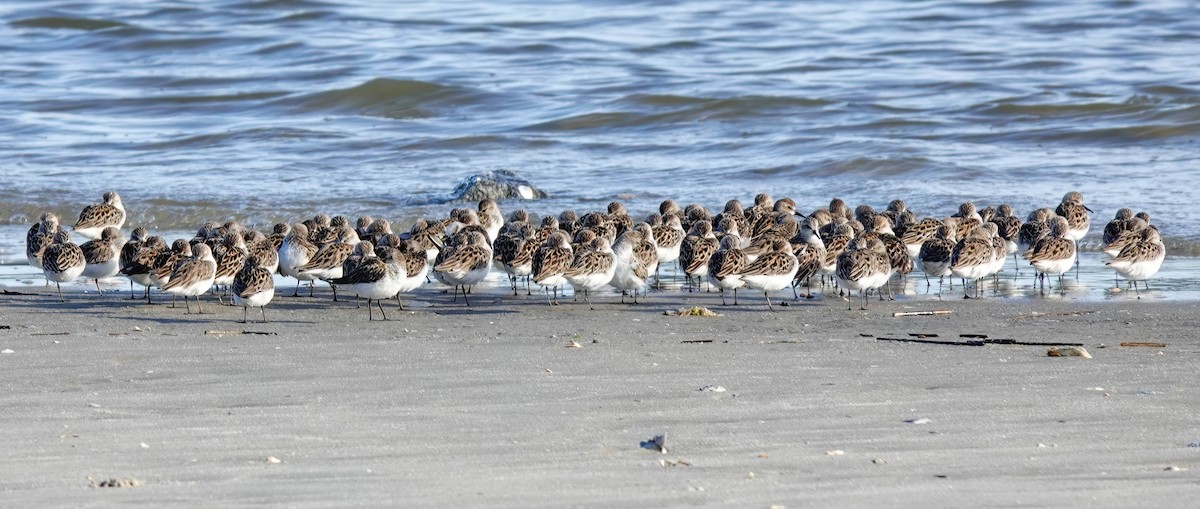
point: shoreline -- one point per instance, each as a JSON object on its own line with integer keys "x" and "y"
{"x": 487, "y": 406}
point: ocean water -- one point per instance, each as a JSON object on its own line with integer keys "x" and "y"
{"x": 276, "y": 110}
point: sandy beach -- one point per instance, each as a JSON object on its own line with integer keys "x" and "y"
{"x": 488, "y": 406}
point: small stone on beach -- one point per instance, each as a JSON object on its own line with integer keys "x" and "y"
{"x": 920, "y": 420}
{"x": 273, "y": 460}
{"x": 712, "y": 388}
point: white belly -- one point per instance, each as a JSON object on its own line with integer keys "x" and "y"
{"x": 1054, "y": 266}
{"x": 102, "y": 270}
{"x": 64, "y": 276}
{"x": 257, "y": 300}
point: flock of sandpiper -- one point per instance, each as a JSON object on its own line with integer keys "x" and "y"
{"x": 768, "y": 247}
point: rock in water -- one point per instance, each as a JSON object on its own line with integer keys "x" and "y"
{"x": 497, "y": 185}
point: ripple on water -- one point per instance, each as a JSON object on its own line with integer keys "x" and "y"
{"x": 386, "y": 98}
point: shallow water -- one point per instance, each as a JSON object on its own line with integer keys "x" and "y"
{"x": 276, "y": 110}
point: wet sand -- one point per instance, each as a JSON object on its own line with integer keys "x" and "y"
{"x": 449, "y": 406}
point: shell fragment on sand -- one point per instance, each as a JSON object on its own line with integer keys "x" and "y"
{"x": 692, "y": 311}
{"x": 1074, "y": 351}
{"x": 658, "y": 443}
{"x": 117, "y": 483}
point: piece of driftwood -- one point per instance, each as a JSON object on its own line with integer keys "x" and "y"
{"x": 923, "y": 313}
{"x": 697, "y": 341}
{"x": 10, "y": 292}
{"x": 238, "y": 332}
{"x": 975, "y": 336}
{"x": 949, "y": 342}
{"x": 922, "y": 335}
{"x": 1144, "y": 343}
{"x": 1028, "y": 343}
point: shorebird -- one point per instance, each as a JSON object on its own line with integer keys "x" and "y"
{"x": 668, "y": 238}
{"x": 40, "y": 235}
{"x": 697, "y": 248}
{"x": 490, "y": 218}
{"x": 93, "y": 219}
{"x": 62, "y": 261}
{"x": 592, "y": 269}
{"x": 376, "y": 278}
{"x": 618, "y": 216}
{"x": 1140, "y": 260}
{"x": 411, "y": 258}
{"x": 363, "y": 225}
{"x": 1008, "y": 227}
{"x": 230, "y": 254}
{"x": 726, "y": 266}
{"x": 326, "y": 263}
{"x": 102, "y": 256}
{"x": 513, "y": 252}
{"x": 294, "y": 253}
{"x": 1123, "y": 221}
{"x": 137, "y": 260}
{"x": 167, "y": 260}
{"x": 1053, "y": 254}
{"x": 193, "y": 277}
{"x": 260, "y": 245}
{"x": 973, "y": 259}
{"x": 253, "y": 287}
{"x": 916, "y": 234}
{"x": 834, "y": 246}
{"x": 935, "y": 255}
{"x": 772, "y": 271}
{"x": 631, "y": 272}
{"x": 863, "y": 266}
{"x": 1130, "y": 234}
{"x": 810, "y": 255}
{"x": 551, "y": 261}
{"x": 1035, "y": 228}
{"x": 468, "y": 265}
{"x": 1078, "y": 220}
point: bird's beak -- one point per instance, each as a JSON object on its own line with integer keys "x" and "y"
{"x": 1086, "y": 208}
